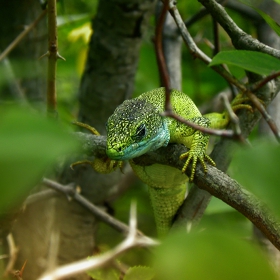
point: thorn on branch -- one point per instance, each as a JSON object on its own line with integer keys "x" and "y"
{"x": 47, "y": 54}
{"x": 60, "y": 57}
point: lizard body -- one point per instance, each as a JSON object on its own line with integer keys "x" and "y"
{"x": 137, "y": 127}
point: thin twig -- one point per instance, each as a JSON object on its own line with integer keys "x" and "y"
{"x": 52, "y": 55}
{"x": 100, "y": 214}
{"x": 258, "y": 85}
{"x": 22, "y": 35}
{"x": 207, "y": 130}
{"x": 240, "y": 39}
{"x": 160, "y": 55}
{"x": 42, "y": 195}
{"x": 13, "y": 253}
{"x": 18, "y": 274}
{"x": 265, "y": 114}
{"x": 5, "y": 256}
{"x": 196, "y": 52}
{"x": 234, "y": 119}
{"x": 132, "y": 240}
{"x": 163, "y": 70}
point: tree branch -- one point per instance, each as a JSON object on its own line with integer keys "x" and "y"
{"x": 100, "y": 214}
{"x": 160, "y": 55}
{"x": 240, "y": 39}
{"x": 197, "y": 53}
{"x": 22, "y": 35}
{"x": 218, "y": 184}
{"x": 53, "y": 55}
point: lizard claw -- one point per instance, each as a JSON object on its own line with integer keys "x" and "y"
{"x": 106, "y": 165}
{"x": 194, "y": 157}
{"x": 101, "y": 165}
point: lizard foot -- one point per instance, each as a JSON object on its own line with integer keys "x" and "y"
{"x": 194, "y": 157}
{"x": 237, "y": 103}
{"x": 102, "y": 165}
{"x": 88, "y": 127}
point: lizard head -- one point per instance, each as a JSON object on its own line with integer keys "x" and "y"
{"x": 135, "y": 128}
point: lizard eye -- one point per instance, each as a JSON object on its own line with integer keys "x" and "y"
{"x": 140, "y": 133}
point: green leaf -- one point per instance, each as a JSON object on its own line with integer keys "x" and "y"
{"x": 29, "y": 145}
{"x": 212, "y": 254}
{"x": 104, "y": 274}
{"x": 270, "y": 21}
{"x": 255, "y": 62}
{"x": 139, "y": 273}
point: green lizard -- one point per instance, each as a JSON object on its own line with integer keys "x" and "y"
{"x": 137, "y": 127}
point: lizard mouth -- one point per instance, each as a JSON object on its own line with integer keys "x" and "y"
{"x": 134, "y": 150}
{"x": 140, "y": 148}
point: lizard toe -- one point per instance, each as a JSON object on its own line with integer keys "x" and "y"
{"x": 184, "y": 155}
{"x": 202, "y": 161}
{"x": 186, "y": 164}
{"x": 210, "y": 160}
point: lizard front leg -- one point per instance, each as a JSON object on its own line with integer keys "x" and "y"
{"x": 102, "y": 164}
{"x": 197, "y": 148}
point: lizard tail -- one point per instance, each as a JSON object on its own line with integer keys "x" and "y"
{"x": 165, "y": 203}
{"x": 167, "y": 188}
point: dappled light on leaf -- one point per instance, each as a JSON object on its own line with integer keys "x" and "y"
{"x": 83, "y": 32}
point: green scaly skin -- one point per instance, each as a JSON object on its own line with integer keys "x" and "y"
{"x": 137, "y": 127}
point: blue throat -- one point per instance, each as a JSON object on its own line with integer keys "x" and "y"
{"x": 137, "y": 149}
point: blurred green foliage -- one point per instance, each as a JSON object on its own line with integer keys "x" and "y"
{"x": 257, "y": 169}
{"x": 30, "y": 144}
{"x": 210, "y": 254}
